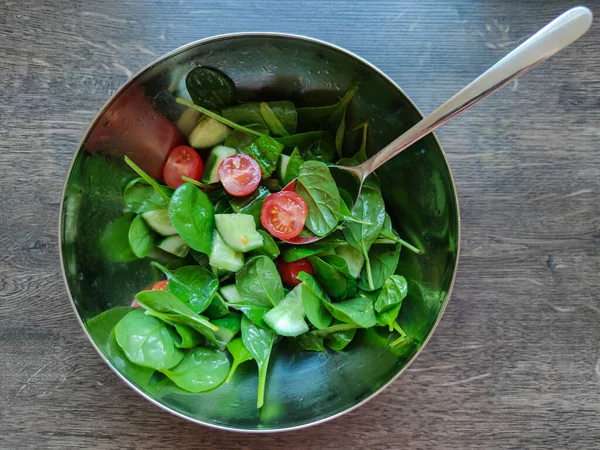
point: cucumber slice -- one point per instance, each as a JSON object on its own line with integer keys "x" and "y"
{"x": 238, "y": 231}
{"x": 188, "y": 120}
{"x": 159, "y": 221}
{"x": 175, "y": 245}
{"x": 216, "y": 157}
{"x": 287, "y": 318}
{"x": 208, "y": 133}
{"x": 231, "y": 294}
{"x": 224, "y": 257}
{"x": 284, "y": 160}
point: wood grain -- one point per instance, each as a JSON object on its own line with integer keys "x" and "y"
{"x": 515, "y": 362}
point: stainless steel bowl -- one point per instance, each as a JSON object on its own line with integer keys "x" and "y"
{"x": 303, "y": 388}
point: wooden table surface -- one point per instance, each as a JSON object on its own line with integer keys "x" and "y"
{"x": 515, "y": 362}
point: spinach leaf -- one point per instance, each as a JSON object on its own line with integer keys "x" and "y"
{"x": 229, "y": 327}
{"x": 296, "y": 252}
{"x": 269, "y": 248}
{"x": 223, "y": 207}
{"x": 240, "y": 140}
{"x": 383, "y": 260}
{"x": 115, "y": 240}
{"x": 339, "y": 264}
{"x": 334, "y": 281}
{"x": 200, "y": 370}
{"x": 186, "y": 337}
{"x": 217, "y": 308}
{"x": 354, "y": 259}
{"x": 265, "y": 150}
{"x": 146, "y": 341}
{"x": 251, "y": 204}
{"x": 240, "y": 355}
{"x": 322, "y": 150}
{"x": 253, "y": 312}
{"x": 271, "y": 120}
{"x": 317, "y": 187}
{"x": 313, "y": 299}
{"x": 141, "y": 237}
{"x": 357, "y": 311}
{"x": 195, "y": 286}
{"x": 210, "y": 88}
{"x": 193, "y": 217}
{"x": 311, "y": 342}
{"x": 259, "y": 282}
{"x": 250, "y": 113}
{"x": 340, "y": 339}
{"x": 259, "y": 342}
{"x": 394, "y": 290}
{"x": 305, "y": 140}
{"x": 388, "y": 232}
{"x": 317, "y": 115}
{"x": 361, "y": 155}
{"x": 287, "y": 318}
{"x": 371, "y": 209}
{"x": 164, "y": 305}
{"x": 293, "y": 167}
{"x": 141, "y": 197}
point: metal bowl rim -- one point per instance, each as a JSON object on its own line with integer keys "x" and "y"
{"x": 93, "y": 124}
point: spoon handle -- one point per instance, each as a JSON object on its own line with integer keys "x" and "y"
{"x": 555, "y": 36}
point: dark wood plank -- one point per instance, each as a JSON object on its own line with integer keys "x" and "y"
{"x": 515, "y": 362}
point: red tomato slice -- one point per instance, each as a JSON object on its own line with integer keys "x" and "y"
{"x": 289, "y": 270}
{"x": 182, "y": 160}
{"x": 240, "y": 175}
{"x": 160, "y": 285}
{"x": 283, "y": 214}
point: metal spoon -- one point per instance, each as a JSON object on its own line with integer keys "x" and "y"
{"x": 558, "y": 34}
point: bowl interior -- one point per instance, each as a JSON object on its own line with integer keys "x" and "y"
{"x": 302, "y": 387}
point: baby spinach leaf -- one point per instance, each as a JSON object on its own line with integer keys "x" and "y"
{"x": 186, "y": 337}
{"x": 240, "y": 355}
{"x": 265, "y": 150}
{"x": 259, "y": 282}
{"x": 293, "y": 167}
{"x": 334, "y": 281}
{"x": 251, "y": 204}
{"x": 339, "y": 340}
{"x": 141, "y": 237}
{"x": 388, "y": 232}
{"x": 383, "y": 260}
{"x": 200, "y": 370}
{"x": 250, "y": 113}
{"x": 259, "y": 342}
{"x": 193, "y": 217}
{"x": 370, "y": 209}
{"x": 296, "y": 252}
{"x": 240, "y": 140}
{"x": 287, "y": 318}
{"x": 305, "y": 140}
{"x": 146, "y": 341}
{"x": 357, "y": 311}
{"x": 253, "y": 312}
{"x": 354, "y": 259}
{"x": 311, "y": 342}
{"x": 195, "y": 286}
{"x": 229, "y": 327}
{"x": 317, "y": 115}
{"x": 217, "y": 307}
{"x": 115, "y": 240}
{"x": 210, "y": 88}
{"x": 322, "y": 150}
{"x": 269, "y": 248}
{"x": 393, "y": 292}
{"x": 317, "y": 187}
{"x": 223, "y": 207}
{"x": 388, "y": 317}
{"x": 141, "y": 197}
{"x": 313, "y": 299}
{"x": 339, "y": 263}
{"x": 271, "y": 120}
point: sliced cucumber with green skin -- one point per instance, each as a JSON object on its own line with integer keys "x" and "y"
{"x": 284, "y": 160}
{"x": 287, "y": 318}
{"x": 174, "y": 245}
{"x": 239, "y": 231}
{"x": 223, "y": 256}
{"x": 159, "y": 221}
{"x": 231, "y": 294}
{"x": 208, "y": 133}
{"x": 216, "y": 157}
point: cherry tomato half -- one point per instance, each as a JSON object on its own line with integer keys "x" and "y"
{"x": 240, "y": 175}
{"x": 283, "y": 214}
{"x": 182, "y": 160}
{"x": 289, "y": 270}
{"x": 160, "y": 285}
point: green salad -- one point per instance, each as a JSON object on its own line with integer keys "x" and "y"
{"x": 256, "y": 242}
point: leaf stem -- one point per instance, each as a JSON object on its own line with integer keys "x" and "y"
{"x": 195, "y": 182}
{"x": 262, "y": 381}
{"x": 333, "y": 329}
{"x": 369, "y": 272}
{"x": 148, "y": 179}
{"x": 217, "y": 117}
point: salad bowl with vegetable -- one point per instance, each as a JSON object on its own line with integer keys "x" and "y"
{"x": 222, "y": 267}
